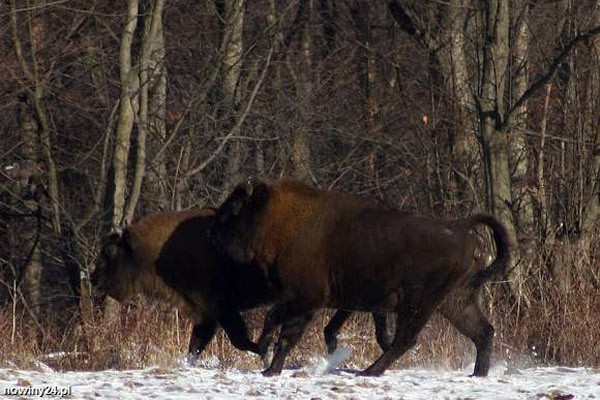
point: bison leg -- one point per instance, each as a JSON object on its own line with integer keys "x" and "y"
{"x": 294, "y": 314}
{"x": 291, "y": 332}
{"x": 383, "y": 329}
{"x": 202, "y": 334}
{"x": 276, "y": 315}
{"x": 333, "y": 328}
{"x": 272, "y": 320}
{"x": 237, "y": 332}
{"x": 413, "y": 319}
{"x": 471, "y": 322}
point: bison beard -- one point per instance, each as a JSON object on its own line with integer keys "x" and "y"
{"x": 325, "y": 249}
{"x": 168, "y": 256}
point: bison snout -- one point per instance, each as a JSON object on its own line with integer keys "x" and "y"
{"x": 98, "y": 282}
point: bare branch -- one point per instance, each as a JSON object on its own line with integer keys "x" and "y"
{"x": 239, "y": 122}
{"x": 545, "y": 78}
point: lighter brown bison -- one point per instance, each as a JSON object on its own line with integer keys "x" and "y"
{"x": 326, "y": 249}
{"x": 168, "y": 256}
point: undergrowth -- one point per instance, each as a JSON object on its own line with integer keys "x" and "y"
{"x": 560, "y": 326}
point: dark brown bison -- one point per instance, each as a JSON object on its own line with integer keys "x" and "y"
{"x": 460, "y": 297}
{"x": 326, "y": 249}
{"x": 168, "y": 256}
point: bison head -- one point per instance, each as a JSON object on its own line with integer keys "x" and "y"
{"x": 116, "y": 270}
{"x": 235, "y": 224}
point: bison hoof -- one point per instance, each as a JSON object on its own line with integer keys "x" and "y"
{"x": 370, "y": 372}
{"x": 191, "y": 360}
{"x": 478, "y": 375}
{"x": 271, "y": 372}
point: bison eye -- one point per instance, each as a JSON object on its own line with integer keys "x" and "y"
{"x": 236, "y": 207}
{"x": 109, "y": 252}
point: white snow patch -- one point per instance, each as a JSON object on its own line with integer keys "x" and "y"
{"x": 211, "y": 383}
{"x": 340, "y": 355}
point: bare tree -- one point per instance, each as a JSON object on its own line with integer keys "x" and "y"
{"x": 519, "y": 149}
{"x": 492, "y": 109}
{"x": 129, "y": 87}
{"x": 35, "y": 127}
{"x": 152, "y": 92}
{"x": 29, "y": 276}
{"x": 444, "y": 36}
{"x": 231, "y": 68}
{"x": 368, "y": 77}
{"x": 591, "y": 214}
{"x": 303, "y": 84}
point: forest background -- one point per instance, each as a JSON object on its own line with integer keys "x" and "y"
{"x": 114, "y": 110}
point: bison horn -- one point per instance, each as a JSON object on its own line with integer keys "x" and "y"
{"x": 249, "y": 187}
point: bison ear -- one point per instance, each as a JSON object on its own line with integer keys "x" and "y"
{"x": 116, "y": 240}
{"x": 260, "y": 193}
{"x": 127, "y": 241}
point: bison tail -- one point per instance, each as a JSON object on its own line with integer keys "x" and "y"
{"x": 503, "y": 245}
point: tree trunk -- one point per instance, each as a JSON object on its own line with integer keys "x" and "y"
{"x": 129, "y": 89}
{"x": 465, "y": 154}
{"x": 539, "y": 193}
{"x": 448, "y": 65}
{"x": 519, "y": 150}
{"x": 494, "y": 139}
{"x": 304, "y": 88}
{"x": 29, "y": 234}
{"x": 34, "y": 123}
{"x": 151, "y": 48}
{"x": 367, "y": 74}
{"x": 231, "y": 69}
{"x": 277, "y": 84}
{"x": 591, "y": 214}
{"x": 157, "y": 175}
{"x": 31, "y": 71}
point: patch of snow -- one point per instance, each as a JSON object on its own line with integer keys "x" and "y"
{"x": 334, "y": 360}
{"x": 43, "y": 367}
{"x": 314, "y": 381}
{"x": 210, "y": 362}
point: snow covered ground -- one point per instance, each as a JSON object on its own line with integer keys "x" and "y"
{"x": 318, "y": 380}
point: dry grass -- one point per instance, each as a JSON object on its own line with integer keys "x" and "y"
{"x": 561, "y": 327}
{"x": 564, "y": 329}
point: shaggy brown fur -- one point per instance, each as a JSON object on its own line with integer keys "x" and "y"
{"x": 325, "y": 249}
{"x": 459, "y": 298}
{"x": 168, "y": 256}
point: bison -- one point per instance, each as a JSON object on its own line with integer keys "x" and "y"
{"x": 462, "y": 296}
{"x": 327, "y": 249}
{"x": 169, "y": 257}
